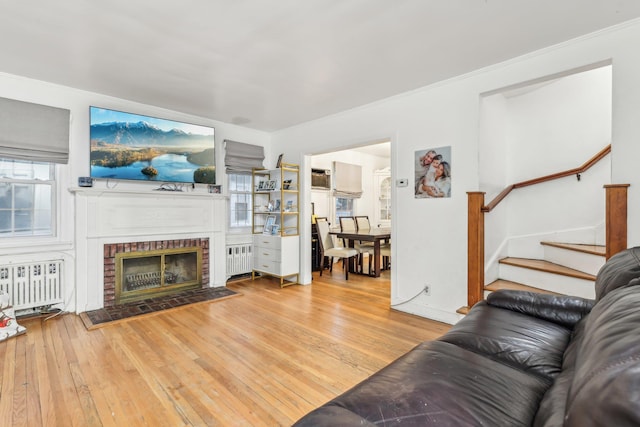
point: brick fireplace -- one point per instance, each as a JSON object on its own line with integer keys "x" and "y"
{"x": 112, "y": 249}
{"x": 121, "y": 220}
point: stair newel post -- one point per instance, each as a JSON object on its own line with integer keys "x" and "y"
{"x": 616, "y": 218}
{"x": 475, "y": 249}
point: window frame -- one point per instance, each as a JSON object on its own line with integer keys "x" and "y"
{"x": 247, "y": 193}
{"x": 32, "y": 182}
{"x": 336, "y": 217}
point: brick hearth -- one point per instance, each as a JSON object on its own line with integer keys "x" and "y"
{"x": 110, "y": 251}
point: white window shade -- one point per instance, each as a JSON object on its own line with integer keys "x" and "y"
{"x": 348, "y": 180}
{"x": 241, "y": 157}
{"x": 33, "y": 132}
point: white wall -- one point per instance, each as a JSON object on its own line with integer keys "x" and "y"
{"x": 430, "y": 236}
{"x": 492, "y": 153}
{"x": 78, "y": 103}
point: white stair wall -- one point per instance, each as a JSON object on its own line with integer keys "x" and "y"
{"x": 589, "y": 263}
{"x": 548, "y": 281}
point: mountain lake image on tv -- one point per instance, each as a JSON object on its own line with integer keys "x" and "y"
{"x": 134, "y": 147}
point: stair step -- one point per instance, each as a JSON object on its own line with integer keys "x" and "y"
{"x": 585, "y": 258}
{"x": 507, "y": 284}
{"x": 463, "y": 310}
{"x": 546, "y": 266}
{"x": 578, "y": 247}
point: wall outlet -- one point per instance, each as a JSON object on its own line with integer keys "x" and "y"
{"x": 427, "y": 290}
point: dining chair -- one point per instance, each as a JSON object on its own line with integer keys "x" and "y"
{"x": 349, "y": 224}
{"x": 385, "y": 253}
{"x": 362, "y": 222}
{"x": 315, "y": 231}
{"x": 328, "y": 249}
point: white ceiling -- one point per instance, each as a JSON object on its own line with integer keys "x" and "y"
{"x": 270, "y": 64}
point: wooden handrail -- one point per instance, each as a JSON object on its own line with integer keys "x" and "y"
{"x": 577, "y": 171}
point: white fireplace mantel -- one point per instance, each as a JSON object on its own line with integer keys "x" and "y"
{"x": 105, "y": 216}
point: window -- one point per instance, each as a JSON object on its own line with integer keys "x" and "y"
{"x": 344, "y": 207}
{"x": 239, "y": 200}
{"x": 27, "y": 198}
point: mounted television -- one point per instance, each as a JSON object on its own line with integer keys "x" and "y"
{"x": 135, "y": 147}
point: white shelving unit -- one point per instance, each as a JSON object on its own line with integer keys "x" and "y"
{"x": 276, "y": 223}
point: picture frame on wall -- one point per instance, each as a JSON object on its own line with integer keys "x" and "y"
{"x": 433, "y": 173}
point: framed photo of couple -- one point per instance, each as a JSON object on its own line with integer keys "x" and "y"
{"x": 433, "y": 173}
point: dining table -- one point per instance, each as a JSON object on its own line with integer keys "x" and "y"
{"x": 375, "y": 235}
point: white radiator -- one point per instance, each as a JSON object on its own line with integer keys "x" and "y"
{"x": 239, "y": 259}
{"x": 35, "y": 284}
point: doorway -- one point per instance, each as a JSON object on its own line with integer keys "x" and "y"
{"x": 374, "y": 161}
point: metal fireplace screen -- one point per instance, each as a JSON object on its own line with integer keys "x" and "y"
{"x": 147, "y": 274}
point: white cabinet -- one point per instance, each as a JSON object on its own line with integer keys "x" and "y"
{"x": 382, "y": 202}
{"x": 277, "y": 256}
{"x": 276, "y": 223}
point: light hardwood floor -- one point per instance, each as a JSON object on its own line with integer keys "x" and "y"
{"x": 262, "y": 359}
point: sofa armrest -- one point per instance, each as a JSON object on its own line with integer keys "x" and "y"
{"x": 561, "y": 309}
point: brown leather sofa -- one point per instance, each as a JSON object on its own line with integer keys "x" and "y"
{"x": 517, "y": 359}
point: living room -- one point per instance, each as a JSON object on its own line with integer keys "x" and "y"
{"x": 402, "y": 119}
{"x": 443, "y": 113}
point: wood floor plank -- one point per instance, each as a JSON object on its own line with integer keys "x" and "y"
{"x": 39, "y": 371}
{"x": 32, "y": 386}
{"x": 8, "y": 382}
{"x": 263, "y": 359}
{"x": 20, "y": 379}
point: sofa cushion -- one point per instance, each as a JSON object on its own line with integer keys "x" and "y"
{"x": 332, "y": 416}
{"x": 523, "y": 342}
{"x": 618, "y": 271}
{"x": 553, "y": 405}
{"x": 606, "y": 387}
{"x": 564, "y": 310}
{"x": 438, "y": 383}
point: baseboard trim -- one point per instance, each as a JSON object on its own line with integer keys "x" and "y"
{"x": 449, "y": 317}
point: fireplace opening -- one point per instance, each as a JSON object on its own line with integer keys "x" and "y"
{"x": 146, "y": 274}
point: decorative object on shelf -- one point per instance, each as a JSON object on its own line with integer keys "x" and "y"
{"x": 85, "y": 181}
{"x": 267, "y": 185}
{"x": 286, "y": 184}
{"x": 279, "y": 162}
{"x": 167, "y": 186}
{"x": 215, "y": 189}
{"x": 275, "y": 229}
{"x": 268, "y": 224}
{"x": 274, "y": 205}
{"x": 289, "y": 207}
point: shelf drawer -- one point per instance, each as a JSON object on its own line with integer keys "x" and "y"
{"x": 268, "y": 266}
{"x": 266, "y": 254}
{"x": 266, "y": 241}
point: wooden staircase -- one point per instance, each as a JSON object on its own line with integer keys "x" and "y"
{"x": 568, "y": 269}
